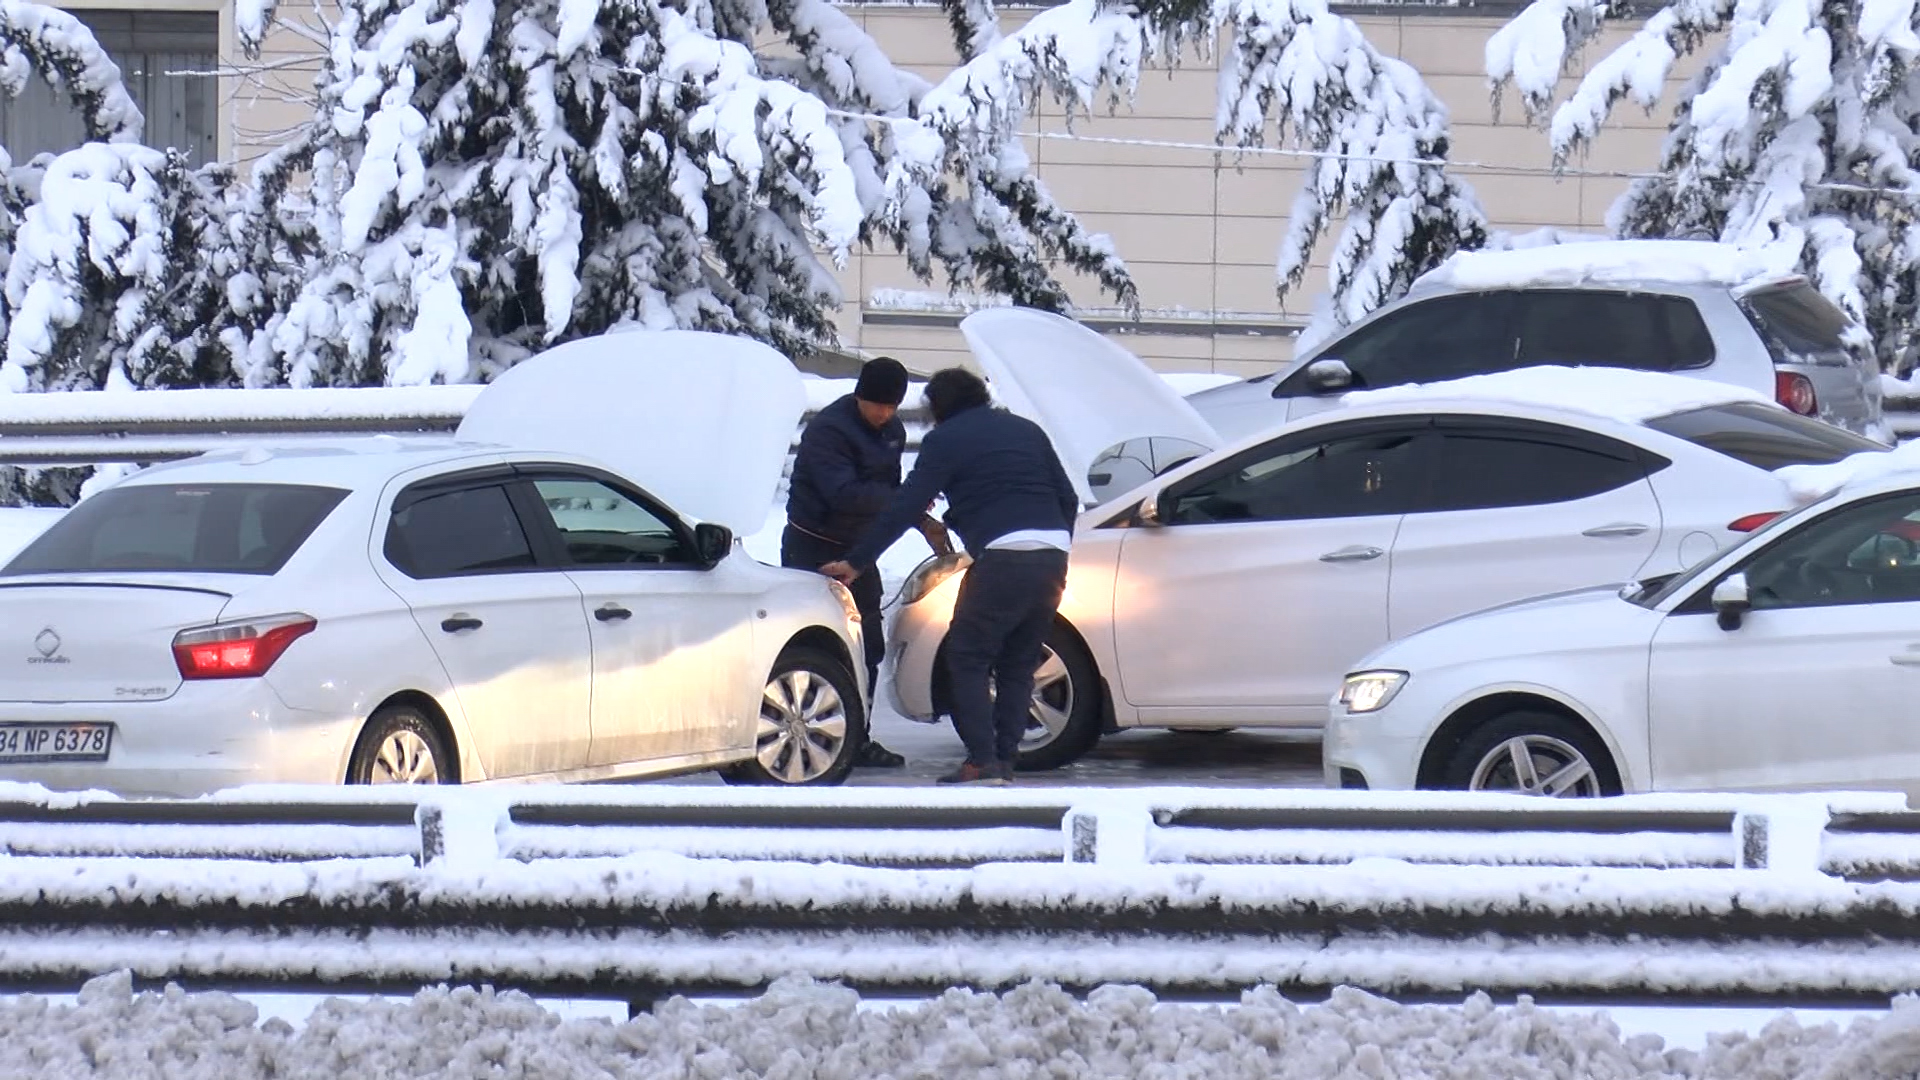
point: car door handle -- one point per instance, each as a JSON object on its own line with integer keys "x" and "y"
{"x": 1618, "y": 528}
{"x": 453, "y": 624}
{"x": 611, "y": 613}
{"x": 1910, "y": 658}
{"x": 1356, "y": 553}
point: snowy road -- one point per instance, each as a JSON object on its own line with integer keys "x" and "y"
{"x": 1232, "y": 759}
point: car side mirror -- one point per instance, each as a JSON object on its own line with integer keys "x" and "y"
{"x": 1329, "y": 376}
{"x": 1154, "y": 510}
{"x": 1730, "y": 601}
{"x": 712, "y": 543}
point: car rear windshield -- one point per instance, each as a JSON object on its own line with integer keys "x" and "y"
{"x": 1799, "y": 324}
{"x": 1763, "y": 436}
{"x": 194, "y": 528}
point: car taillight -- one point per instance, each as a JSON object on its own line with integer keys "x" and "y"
{"x": 243, "y": 649}
{"x": 1752, "y": 521}
{"x": 1795, "y": 391}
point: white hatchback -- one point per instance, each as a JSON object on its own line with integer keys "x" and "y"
{"x": 1789, "y": 661}
{"x": 1237, "y": 588}
{"x": 434, "y": 610}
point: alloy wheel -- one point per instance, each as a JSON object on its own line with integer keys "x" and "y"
{"x": 1052, "y": 702}
{"x": 1537, "y": 765}
{"x": 404, "y": 758}
{"x": 803, "y": 727}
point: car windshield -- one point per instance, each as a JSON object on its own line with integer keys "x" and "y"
{"x": 1764, "y": 436}
{"x": 1653, "y": 592}
{"x": 193, "y": 528}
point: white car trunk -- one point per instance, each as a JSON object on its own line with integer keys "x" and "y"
{"x": 99, "y": 637}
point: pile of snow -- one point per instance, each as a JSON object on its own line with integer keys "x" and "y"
{"x": 804, "y": 1029}
{"x": 1811, "y": 483}
{"x": 1631, "y": 397}
{"x": 19, "y": 527}
{"x": 1677, "y": 262}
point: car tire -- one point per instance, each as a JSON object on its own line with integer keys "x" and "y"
{"x": 401, "y": 745}
{"x": 793, "y": 749}
{"x": 1067, "y": 685}
{"x": 1546, "y": 745}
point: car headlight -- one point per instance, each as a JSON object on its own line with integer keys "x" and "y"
{"x": 1370, "y": 691}
{"x": 847, "y": 603}
{"x": 930, "y": 575}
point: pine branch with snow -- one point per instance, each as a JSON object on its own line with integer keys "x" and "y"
{"x": 1801, "y": 136}
{"x": 1381, "y": 137}
{"x": 36, "y": 39}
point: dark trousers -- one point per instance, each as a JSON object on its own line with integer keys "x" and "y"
{"x": 804, "y": 551}
{"x": 999, "y": 631}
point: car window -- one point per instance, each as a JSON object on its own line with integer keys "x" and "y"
{"x": 1764, "y": 436}
{"x": 1482, "y": 468}
{"x": 1798, "y": 324}
{"x": 451, "y": 533}
{"x": 602, "y": 526}
{"x": 1447, "y": 337}
{"x": 1644, "y": 331}
{"x": 197, "y": 528}
{"x": 1867, "y": 553}
{"x": 1291, "y": 479}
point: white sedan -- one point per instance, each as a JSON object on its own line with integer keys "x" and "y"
{"x": 1238, "y": 588}
{"x": 1789, "y": 661}
{"x": 492, "y": 607}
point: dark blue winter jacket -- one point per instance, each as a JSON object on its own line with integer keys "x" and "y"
{"x": 999, "y": 474}
{"x": 844, "y": 472}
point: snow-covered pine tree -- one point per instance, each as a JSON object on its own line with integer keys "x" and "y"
{"x": 489, "y": 178}
{"x": 1798, "y": 135}
{"x": 1380, "y": 136}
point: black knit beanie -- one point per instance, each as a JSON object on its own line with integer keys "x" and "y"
{"x": 883, "y": 381}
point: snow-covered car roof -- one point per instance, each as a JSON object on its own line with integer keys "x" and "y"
{"x": 354, "y": 462}
{"x": 1869, "y": 472}
{"x": 1618, "y": 394}
{"x": 1607, "y": 262}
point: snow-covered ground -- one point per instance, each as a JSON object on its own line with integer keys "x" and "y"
{"x": 18, "y": 527}
{"x": 804, "y": 1030}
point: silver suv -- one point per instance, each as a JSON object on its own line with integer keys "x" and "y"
{"x": 1777, "y": 335}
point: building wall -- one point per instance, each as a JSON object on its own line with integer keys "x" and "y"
{"x": 1199, "y": 230}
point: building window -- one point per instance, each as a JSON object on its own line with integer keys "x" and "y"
{"x": 152, "y": 48}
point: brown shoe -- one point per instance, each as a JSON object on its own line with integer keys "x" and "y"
{"x": 969, "y": 773}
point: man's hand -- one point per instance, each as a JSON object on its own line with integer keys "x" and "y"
{"x": 841, "y": 571}
{"x": 937, "y": 536}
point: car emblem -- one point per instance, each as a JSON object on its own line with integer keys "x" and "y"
{"x": 48, "y": 643}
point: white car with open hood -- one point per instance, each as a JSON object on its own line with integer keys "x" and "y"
{"x": 1237, "y": 588}
{"x": 555, "y": 593}
{"x": 1790, "y": 661}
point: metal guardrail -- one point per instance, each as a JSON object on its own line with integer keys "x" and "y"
{"x": 142, "y": 428}
{"x": 636, "y": 893}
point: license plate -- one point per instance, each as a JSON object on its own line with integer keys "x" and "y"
{"x": 55, "y": 742}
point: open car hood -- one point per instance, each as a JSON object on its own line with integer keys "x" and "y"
{"x": 1114, "y": 423}
{"x": 701, "y": 421}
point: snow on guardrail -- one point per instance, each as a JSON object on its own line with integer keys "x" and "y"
{"x": 606, "y": 891}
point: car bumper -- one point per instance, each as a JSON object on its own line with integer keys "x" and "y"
{"x": 913, "y": 645}
{"x": 207, "y": 737}
{"x": 1355, "y": 754}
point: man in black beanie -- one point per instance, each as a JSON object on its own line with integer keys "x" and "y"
{"x": 845, "y": 473}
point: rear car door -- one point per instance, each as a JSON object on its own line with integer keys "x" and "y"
{"x": 510, "y": 631}
{"x": 1269, "y": 575}
{"x": 672, "y": 639}
{"x": 1520, "y": 508}
{"x": 1445, "y": 337}
{"x": 1819, "y": 686}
